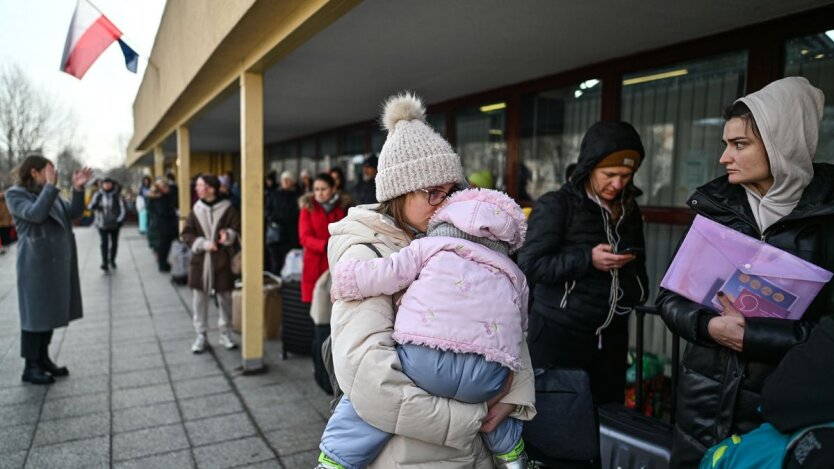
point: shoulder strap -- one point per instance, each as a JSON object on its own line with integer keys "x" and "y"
{"x": 373, "y": 248}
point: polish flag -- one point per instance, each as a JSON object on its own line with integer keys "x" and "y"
{"x": 90, "y": 33}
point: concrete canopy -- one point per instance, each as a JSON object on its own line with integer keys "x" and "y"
{"x": 443, "y": 50}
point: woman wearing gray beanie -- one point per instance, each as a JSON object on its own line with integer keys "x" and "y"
{"x": 417, "y": 170}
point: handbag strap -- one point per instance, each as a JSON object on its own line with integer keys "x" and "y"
{"x": 373, "y": 248}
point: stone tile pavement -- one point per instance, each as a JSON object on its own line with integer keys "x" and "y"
{"x": 136, "y": 396}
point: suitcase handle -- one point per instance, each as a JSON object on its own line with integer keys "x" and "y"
{"x": 640, "y": 313}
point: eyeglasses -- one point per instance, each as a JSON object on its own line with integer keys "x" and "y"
{"x": 437, "y": 196}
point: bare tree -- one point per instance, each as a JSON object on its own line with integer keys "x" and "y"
{"x": 128, "y": 178}
{"x": 29, "y": 118}
{"x": 67, "y": 162}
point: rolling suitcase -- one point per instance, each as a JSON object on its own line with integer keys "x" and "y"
{"x": 629, "y": 439}
{"x": 297, "y": 327}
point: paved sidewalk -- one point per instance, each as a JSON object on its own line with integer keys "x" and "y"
{"x": 136, "y": 396}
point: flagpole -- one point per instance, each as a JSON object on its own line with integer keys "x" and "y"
{"x": 125, "y": 36}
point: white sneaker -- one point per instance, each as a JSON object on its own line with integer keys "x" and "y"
{"x": 226, "y": 341}
{"x": 199, "y": 344}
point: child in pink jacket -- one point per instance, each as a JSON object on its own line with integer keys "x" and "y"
{"x": 459, "y": 326}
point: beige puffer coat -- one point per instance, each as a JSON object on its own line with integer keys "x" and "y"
{"x": 429, "y": 431}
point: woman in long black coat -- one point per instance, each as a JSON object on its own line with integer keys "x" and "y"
{"x": 163, "y": 206}
{"x": 774, "y": 192}
{"x": 48, "y": 287}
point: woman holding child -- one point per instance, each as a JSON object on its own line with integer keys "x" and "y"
{"x": 417, "y": 171}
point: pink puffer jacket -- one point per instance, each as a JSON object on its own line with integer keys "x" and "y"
{"x": 462, "y": 296}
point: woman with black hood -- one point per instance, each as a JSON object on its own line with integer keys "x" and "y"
{"x": 585, "y": 255}
{"x": 773, "y": 192}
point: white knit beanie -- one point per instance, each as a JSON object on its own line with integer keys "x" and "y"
{"x": 414, "y": 155}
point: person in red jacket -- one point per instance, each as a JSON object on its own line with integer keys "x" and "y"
{"x": 318, "y": 210}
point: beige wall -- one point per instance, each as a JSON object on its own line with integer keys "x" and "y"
{"x": 214, "y": 163}
{"x": 202, "y": 48}
{"x": 189, "y": 33}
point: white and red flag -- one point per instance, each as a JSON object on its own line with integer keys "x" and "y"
{"x": 90, "y": 33}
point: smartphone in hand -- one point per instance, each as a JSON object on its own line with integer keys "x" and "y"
{"x": 636, "y": 252}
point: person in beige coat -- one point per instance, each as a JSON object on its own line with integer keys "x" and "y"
{"x": 417, "y": 170}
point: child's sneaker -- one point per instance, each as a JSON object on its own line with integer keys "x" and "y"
{"x": 516, "y": 458}
{"x": 326, "y": 463}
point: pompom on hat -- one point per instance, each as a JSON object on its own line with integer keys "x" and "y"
{"x": 414, "y": 156}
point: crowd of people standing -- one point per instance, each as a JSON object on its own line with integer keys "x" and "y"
{"x": 426, "y": 297}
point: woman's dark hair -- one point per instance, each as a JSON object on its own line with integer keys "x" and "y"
{"x": 34, "y": 161}
{"x": 341, "y": 174}
{"x": 272, "y": 177}
{"x": 326, "y": 178}
{"x": 740, "y": 110}
{"x": 212, "y": 181}
{"x": 146, "y": 181}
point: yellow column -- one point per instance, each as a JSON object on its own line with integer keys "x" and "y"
{"x": 184, "y": 172}
{"x": 158, "y": 162}
{"x": 252, "y": 200}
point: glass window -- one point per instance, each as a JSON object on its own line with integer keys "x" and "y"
{"x": 353, "y": 142}
{"x": 328, "y": 145}
{"x": 479, "y": 134}
{"x": 553, "y": 123}
{"x": 678, "y": 112}
{"x": 289, "y": 156}
{"x": 437, "y": 121}
{"x": 308, "y": 157}
{"x": 352, "y": 149}
{"x": 273, "y": 161}
{"x": 812, "y": 57}
{"x": 378, "y": 137}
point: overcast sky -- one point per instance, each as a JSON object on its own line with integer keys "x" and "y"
{"x": 32, "y": 34}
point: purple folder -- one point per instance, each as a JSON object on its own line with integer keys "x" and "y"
{"x": 759, "y": 279}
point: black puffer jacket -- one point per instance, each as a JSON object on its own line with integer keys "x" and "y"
{"x": 718, "y": 391}
{"x": 563, "y": 229}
